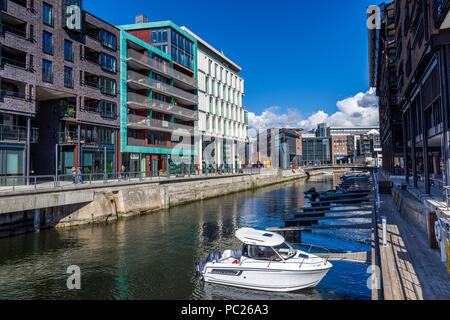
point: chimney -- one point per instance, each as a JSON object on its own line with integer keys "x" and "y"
{"x": 142, "y": 18}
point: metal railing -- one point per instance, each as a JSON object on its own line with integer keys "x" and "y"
{"x": 13, "y": 62}
{"x": 140, "y": 122}
{"x": 13, "y": 94}
{"x": 161, "y": 67}
{"x": 61, "y": 181}
{"x": 152, "y": 84}
{"x": 143, "y": 102}
{"x": 18, "y": 134}
{"x": 69, "y": 137}
{"x": 18, "y": 32}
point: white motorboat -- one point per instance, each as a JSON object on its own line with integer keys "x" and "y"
{"x": 266, "y": 263}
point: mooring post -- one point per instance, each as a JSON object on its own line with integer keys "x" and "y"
{"x": 384, "y": 220}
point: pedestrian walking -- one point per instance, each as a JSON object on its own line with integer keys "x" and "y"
{"x": 79, "y": 177}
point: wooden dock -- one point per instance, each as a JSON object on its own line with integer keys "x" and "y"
{"x": 410, "y": 269}
{"x": 359, "y": 257}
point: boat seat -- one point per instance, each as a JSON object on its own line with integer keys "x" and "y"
{"x": 235, "y": 254}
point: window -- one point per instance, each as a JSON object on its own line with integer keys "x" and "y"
{"x": 159, "y": 35}
{"x": 68, "y": 77}
{"x": 47, "y": 75}
{"x": 107, "y": 109}
{"x": 68, "y": 50}
{"x": 207, "y": 84}
{"x": 47, "y": 14}
{"x": 108, "y": 86}
{"x": 108, "y": 39}
{"x": 47, "y": 42}
{"x": 107, "y": 62}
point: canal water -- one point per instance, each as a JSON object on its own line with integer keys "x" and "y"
{"x": 154, "y": 256}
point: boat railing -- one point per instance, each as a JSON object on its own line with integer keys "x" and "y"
{"x": 311, "y": 247}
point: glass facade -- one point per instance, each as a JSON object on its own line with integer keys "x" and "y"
{"x": 316, "y": 151}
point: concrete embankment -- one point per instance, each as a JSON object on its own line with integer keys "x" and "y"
{"x": 112, "y": 202}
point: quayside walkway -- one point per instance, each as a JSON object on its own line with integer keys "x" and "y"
{"x": 410, "y": 269}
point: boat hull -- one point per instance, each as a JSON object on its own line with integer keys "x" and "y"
{"x": 266, "y": 280}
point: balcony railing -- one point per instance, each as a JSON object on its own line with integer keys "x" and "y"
{"x": 68, "y": 137}
{"x": 18, "y": 134}
{"x": 136, "y": 142}
{"x": 143, "y": 102}
{"x": 13, "y": 62}
{"x": 149, "y": 83}
{"x": 13, "y": 94}
{"x": 160, "y": 67}
{"x": 139, "y": 122}
{"x": 18, "y": 32}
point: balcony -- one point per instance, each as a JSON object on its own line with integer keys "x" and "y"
{"x": 103, "y": 114}
{"x": 134, "y": 57}
{"x": 17, "y": 134}
{"x": 136, "y": 142}
{"x": 139, "y": 102}
{"x": 140, "y": 81}
{"x": 139, "y": 123}
{"x": 68, "y": 137}
{"x": 69, "y": 112}
{"x": 14, "y": 94}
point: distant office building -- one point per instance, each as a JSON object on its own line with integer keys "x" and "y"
{"x": 291, "y": 148}
{"x": 322, "y": 130}
{"x": 316, "y": 150}
{"x": 223, "y": 120}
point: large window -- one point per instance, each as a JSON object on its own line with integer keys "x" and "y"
{"x": 108, "y": 39}
{"x": 182, "y": 50}
{"x": 47, "y": 42}
{"x": 159, "y": 35}
{"x": 47, "y": 14}
{"x": 108, "y": 86}
{"x": 108, "y": 63}
{"x": 108, "y": 109}
{"x": 47, "y": 74}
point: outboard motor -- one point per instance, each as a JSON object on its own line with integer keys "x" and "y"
{"x": 213, "y": 257}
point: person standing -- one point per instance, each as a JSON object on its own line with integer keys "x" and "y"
{"x": 74, "y": 175}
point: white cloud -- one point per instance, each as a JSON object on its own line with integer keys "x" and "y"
{"x": 357, "y": 111}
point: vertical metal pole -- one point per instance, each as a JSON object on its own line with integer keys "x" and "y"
{"x": 104, "y": 169}
{"x": 28, "y": 149}
{"x": 384, "y": 220}
{"x": 56, "y": 165}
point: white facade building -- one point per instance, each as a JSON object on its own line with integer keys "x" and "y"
{"x": 223, "y": 120}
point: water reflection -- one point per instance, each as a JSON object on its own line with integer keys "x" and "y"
{"x": 153, "y": 256}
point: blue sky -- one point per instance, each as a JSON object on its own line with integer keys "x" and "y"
{"x": 301, "y": 56}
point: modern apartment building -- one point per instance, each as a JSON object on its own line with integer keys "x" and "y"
{"x": 421, "y": 69}
{"x": 383, "y": 76}
{"x": 59, "y": 76}
{"x": 340, "y": 151}
{"x": 158, "y": 108}
{"x": 223, "y": 120}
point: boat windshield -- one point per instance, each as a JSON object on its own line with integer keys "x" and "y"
{"x": 284, "y": 251}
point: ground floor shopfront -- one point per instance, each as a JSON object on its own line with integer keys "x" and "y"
{"x": 217, "y": 153}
